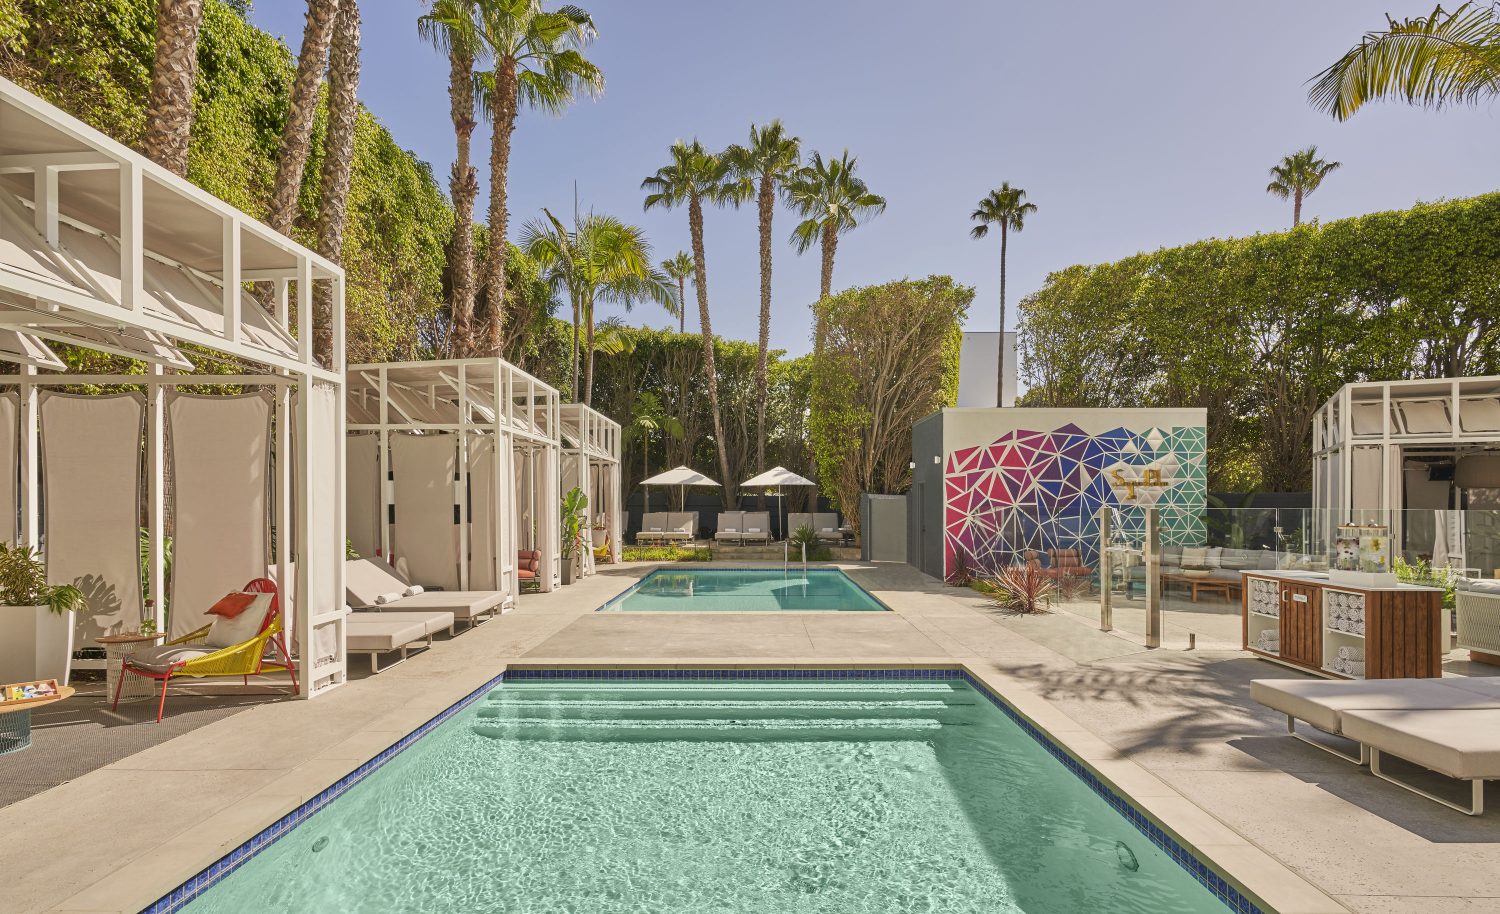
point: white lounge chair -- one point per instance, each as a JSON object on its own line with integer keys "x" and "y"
{"x": 795, "y": 522}
{"x": 731, "y": 527}
{"x": 757, "y": 527}
{"x": 653, "y": 528}
{"x": 1462, "y": 744}
{"x": 377, "y": 633}
{"x": 369, "y": 584}
{"x": 827, "y": 527}
{"x": 682, "y": 527}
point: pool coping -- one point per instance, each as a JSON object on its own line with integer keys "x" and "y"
{"x": 1245, "y": 878}
{"x": 708, "y": 567}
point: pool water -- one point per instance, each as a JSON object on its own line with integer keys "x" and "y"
{"x": 745, "y": 590}
{"x": 647, "y": 797}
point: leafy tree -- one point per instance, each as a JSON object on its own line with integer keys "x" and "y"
{"x": 647, "y": 418}
{"x": 1434, "y": 60}
{"x": 678, "y": 268}
{"x": 169, "y": 110}
{"x": 600, "y": 259}
{"x": 1297, "y": 176}
{"x": 537, "y": 64}
{"x": 832, "y": 201}
{"x": 296, "y": 135}
{"x": 452, "y": 26}
{"x": 1006, "y": 207}
{"x": 763, "y": 166}
{"x": 693, "y": 177}
{"x": 890, "y": 358}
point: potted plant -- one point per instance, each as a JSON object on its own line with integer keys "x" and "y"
{"x": 804, "y": 542}
{"x": 36, "y": 619}
{"x": 574, "y": 504}
{"x": 1021, "y": 589}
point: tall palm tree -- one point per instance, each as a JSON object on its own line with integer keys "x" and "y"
{"x": 832, "y": 201}
{"x": 1297, "y": 176}
{"x": 296, "y": 134}
{"x": 649, "y": 417}
{"x": 1442, "y": 58}
{"x": 537, "y": 64}
{"x": 338, "y": 154}
{"x": 169, "y": 108}
{"x": 679, "y": 267}
{"x": 600, "y": 259}
{"x": 763, "y": 165}
{"x": 696, "y": 176}
{"x": 1006, "y": 207}
{"x": 452, "y": 26}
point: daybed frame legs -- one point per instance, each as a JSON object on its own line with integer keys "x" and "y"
{"x": 1362, "y": 759}
{"x": 1476, "y": 802}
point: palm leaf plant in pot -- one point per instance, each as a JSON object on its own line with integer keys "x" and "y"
{"x": 574, "y": 504}
{"x": 36, "y": 619}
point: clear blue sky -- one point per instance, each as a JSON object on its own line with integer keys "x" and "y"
{"x": 1131, "y": 125}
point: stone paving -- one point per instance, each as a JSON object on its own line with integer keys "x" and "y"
{"x": 1172, "y": 727}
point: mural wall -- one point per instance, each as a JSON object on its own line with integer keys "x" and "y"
{"x": 1039, "y": 490}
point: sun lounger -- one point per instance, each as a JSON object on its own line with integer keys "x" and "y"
{"x": 1325, "y": 704}
{"x": 1462, "y": 744}
{"x": 757, "y": 527}
{"x": 653, "y": 527}
{"x": 682, "y": 526}
{"x": 795, "y": 522}
{"x": 377, "y": 633}
{"x": 827, "y": 527}
{"x": 731, "y": 527}
{"x": 368, "y": 584}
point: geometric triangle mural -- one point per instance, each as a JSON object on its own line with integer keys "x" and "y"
{"x": 1035, "y": 490}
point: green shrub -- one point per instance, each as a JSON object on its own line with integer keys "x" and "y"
{"x": 665, "y": 554}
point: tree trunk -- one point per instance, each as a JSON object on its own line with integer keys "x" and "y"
{"x": 296, "y": 136}
{"x": 504, "y": 124}
{"x": 1000, "y": 361}
{"x": 588, "y": 363}
{"x": 338, "y": 161}
{"x": 829, "y": 248}
{"x": 169, "y": 109}
{"x": 1296, "y": 208}
{"x": 682, "y": 305}
{"x": 705, "y": 327}
{"x": 573, "y": 362}
{"x": 463, "y": 184}
{"x": 767, "y": 210}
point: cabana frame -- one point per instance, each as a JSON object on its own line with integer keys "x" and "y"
{"x": 103, "y": 249}
{"x": 591, "y": 461}
{"x": 470, "y": 398}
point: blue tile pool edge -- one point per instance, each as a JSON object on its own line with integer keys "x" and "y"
{"x": 1204, "y": 873}
{"x": 666, "y": 569}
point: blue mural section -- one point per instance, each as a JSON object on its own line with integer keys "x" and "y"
{"x": 1041, "y": 490}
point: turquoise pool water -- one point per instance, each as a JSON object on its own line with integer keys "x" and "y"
{"x": 700, "y": 590}
{"x": 653, "y": 797}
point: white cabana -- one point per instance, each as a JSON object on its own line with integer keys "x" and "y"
{"x": 591, "y": 462}
{"x": 102, "y": 249}
{"x": 681, "y": 477}
{"x": 778, "y": 478}
{"x": 454, "y": 467}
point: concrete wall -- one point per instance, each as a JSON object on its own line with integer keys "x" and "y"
{"x": 976, "y": 369}
{"x": 883, "y": 526}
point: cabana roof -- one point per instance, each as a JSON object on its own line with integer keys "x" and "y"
{"x": 587, "y": 431}
{"x": 453, "y": 395}
{"x": 103, "y": 248}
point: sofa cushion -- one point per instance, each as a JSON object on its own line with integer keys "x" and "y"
{"x": 158, "y": 659}
{"x": 1195, "y": 556}
{"x": 228, "y": 631}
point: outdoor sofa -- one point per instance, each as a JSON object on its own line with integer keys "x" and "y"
{"x": 1450, "y": 725}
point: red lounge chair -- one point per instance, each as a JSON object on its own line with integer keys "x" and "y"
{"x": 529, "y": 568}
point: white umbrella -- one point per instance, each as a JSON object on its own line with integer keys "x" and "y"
{"x": 778, "y": 477}
{"x": 681, "y": 477}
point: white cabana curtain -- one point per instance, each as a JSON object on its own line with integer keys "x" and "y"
{"x": 425, "y": 532}
{"x": 525, "y": 493}
{"x": 221, "y": 462}
{"x": 10, "y": 408}
{"x": 483, "y": 547}
{"x": 91, "y": 452}
{"x": 324, "y": 551}
{"x": 362, "y": 481}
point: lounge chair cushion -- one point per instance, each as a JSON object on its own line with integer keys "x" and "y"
{"x": 1325, "y": 704}
{"x": 431, "y": 622}
{"x": 1458, "y": 743}
{"x": 365, "y": 634}
{"x": 227, "y": 632}
{"x": 158, "y": 659}
{"x": 463, "y": 604}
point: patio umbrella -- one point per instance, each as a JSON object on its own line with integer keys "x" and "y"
{"x": 778, "y": 477}
{"x": 681, "y": 477}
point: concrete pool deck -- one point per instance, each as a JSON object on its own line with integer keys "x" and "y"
{"x": 1174, "y": 729}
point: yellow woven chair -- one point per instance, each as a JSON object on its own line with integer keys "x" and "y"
{"x": 245, "y": 659}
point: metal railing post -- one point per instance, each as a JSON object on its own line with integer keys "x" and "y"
{"x": 1152, "y": 550}
{"x": 1106, "y": 572}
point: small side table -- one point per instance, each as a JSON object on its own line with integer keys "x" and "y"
{"x": 117, "y": 649}
{"x": 15, "y": 720}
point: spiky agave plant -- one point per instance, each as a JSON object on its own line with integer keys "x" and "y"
{"x": 1022, "y": 589}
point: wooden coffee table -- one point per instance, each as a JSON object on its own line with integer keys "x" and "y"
{"x": 15, "y": 720}
{"x": 1197, "y": 585}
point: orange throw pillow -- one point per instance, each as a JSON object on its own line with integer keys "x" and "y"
{"x": 231, "y": 605}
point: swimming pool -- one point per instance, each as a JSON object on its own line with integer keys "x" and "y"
{"x": 788, "y": 589}
{"x": 719, "y": 795}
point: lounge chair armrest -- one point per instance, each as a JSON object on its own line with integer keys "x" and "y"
{"x": 191, "y": 637}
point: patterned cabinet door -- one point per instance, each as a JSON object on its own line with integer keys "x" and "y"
{"x": 1302, "y": 625}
